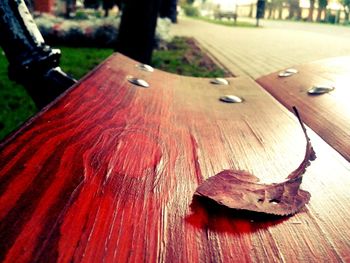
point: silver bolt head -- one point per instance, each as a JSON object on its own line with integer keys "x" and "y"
{"x": 219, "y": 81}
{"x": 288, "y": 72}
{"x": 145, "y": 67}
{"x": 138, "y": 82}
{"x": 320, "y": 89}
{"x": 231, "y": 99}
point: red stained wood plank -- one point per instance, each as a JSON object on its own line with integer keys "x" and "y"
{"x": 108, "y": 172}
{"x": 327, "y": 114}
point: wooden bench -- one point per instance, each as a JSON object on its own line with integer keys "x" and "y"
{"x": 107, "y": 173}
{"x": 327, "y": 114}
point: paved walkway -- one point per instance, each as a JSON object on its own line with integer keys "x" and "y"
{"x": 259, "y": 51}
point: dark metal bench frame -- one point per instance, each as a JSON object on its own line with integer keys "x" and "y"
{"x": 32, "y": 62}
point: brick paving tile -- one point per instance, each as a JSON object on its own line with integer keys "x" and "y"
{"x": 259, "y": 51}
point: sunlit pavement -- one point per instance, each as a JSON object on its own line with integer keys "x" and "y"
{"x": 274, "y": 46}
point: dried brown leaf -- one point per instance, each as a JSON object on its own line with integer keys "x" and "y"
{"x": 242, "y": 190}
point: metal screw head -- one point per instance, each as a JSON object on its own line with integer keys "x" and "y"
{"x": 219, "y": 81}
{"x": 145, "y": 67}
{"x": 320, "y": 89}
{"x": 288, "y": 72}
{"x": 138, "y": 82}
{"x": 231, "y": 99}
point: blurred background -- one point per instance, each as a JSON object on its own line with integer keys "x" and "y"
{"x": 202, "y": 38}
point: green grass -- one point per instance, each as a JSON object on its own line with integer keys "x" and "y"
{"x": 79, "y": 61}
{"x": 230, "y": 23}
{"x": 16, "y": 106}
{"x": 185, "y": 58}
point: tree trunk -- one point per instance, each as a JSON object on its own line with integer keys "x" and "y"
{"x": 346, "y": 18}
{"x": 91, "y": 4}
{"x": 280, "y": 11}
{"x": 251, "y": 10}
{"x": 107, "y": 5}
{"x": 294, "y": 9}
{"x": 168, "y": 10}
{"x": 311, "y": 10}
{"x": 299, "y": 11}
{"x": 324, "y": 10}
{"x": 290, "y": 12}
{"x": 70, "y": 7}
{"x": 137, "y": 29}
{"x": 319, "y": 12}
{"x": 269, "y": 9}
{"x": 119, "y": 4}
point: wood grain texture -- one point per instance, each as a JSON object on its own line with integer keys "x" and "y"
{"x": 327, "y": 114}
{"x": 107, "y": 173}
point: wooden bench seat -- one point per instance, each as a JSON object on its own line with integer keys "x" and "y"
{"x": 327, "y": 114}
{"x": 107, "y": 173}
